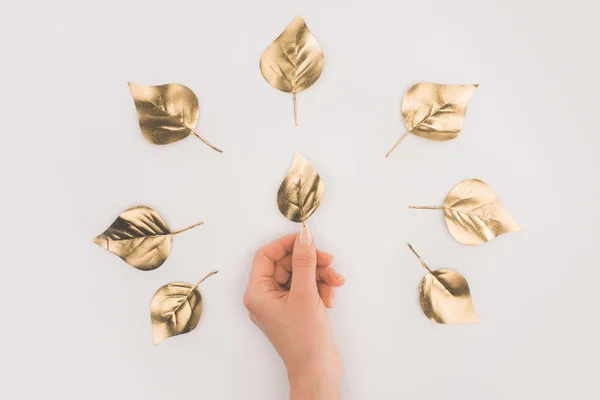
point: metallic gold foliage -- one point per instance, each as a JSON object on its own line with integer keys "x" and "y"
{"x": 140, "y": 237}
{"x": 167, "y": 113}
{"x": 294, "y": 61}
{"x": 474, "y": 214}
{"x": 301, "y": 191}
{"x": 175, "y": 309}
{"x": 445, "y": 296}
{"x": 435, "y": 111}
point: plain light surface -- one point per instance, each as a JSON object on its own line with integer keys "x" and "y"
{"x": 76, "y": 322}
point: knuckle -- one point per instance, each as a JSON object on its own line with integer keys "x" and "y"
{"x": 248, "y": 300}
{"x": 305, "y": 257}
{"x": 258, "y": 254}
{"x": 305, "y": 297}
{"x": 323, "y": 273}
{"x": 302, "y": 295}
{"x": 252, "y": 318}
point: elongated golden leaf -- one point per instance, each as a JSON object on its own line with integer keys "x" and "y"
{"x": 175, "y": 309}
{"x": 445, "y": 296}
{"x": 167, "y": 113}
{"x": 140, "y": 237}
{"x": 474, "y": 214}
{"x": 435, "y": 111}
{"x": 301, "y": 191}
{"x": 294, "y": 61}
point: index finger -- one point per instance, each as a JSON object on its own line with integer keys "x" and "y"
{"x": 266, "y": 257}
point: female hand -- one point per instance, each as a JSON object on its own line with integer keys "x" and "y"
{"x": 291, "y": 284}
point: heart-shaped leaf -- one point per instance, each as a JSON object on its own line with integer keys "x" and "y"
{"x": 301, "y": 191}
{"x": 294, "y": 61}
{"x": 140, "y": 237}
{"x": 445, "y": 296}
{"x": 474, "y": 214}
{"x": 435, "y": 111}
{"x": 175, "y": 309}
{"x": 167, "y": 113}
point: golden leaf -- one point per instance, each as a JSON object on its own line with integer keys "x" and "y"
{"x": 435, "y": 111}
{"x": 167, "y": 113}
{"x": 301, "y": 191}
{"x": 445, "y": 296}
{"x": 294, "y": 61}
{"x": 140, "y": 237}
{"x": 474, "y": 214}
{"x": 175, "y": 309}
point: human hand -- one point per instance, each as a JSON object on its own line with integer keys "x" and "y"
{"x": 291, "y": 284}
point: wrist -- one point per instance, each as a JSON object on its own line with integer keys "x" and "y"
{"x": 316, "y": 380}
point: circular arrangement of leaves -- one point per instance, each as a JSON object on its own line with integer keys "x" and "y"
{"x": 292, "y": 63}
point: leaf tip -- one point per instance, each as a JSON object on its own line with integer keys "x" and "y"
{"x": 156, "y": 340}
{"x": 476, "y": 85}
{"x": 101, "y": 240}
{"x": 132, "y": 88}
{"x": 516, "y": 227}
{"x": 299, "y": 157}
{"x": 158, "y": 335}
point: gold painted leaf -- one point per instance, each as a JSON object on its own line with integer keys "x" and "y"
{"x": 435, "y": 111}
{"x": 474, "y": 214}
{"x": 167, "y": 113}
{"x": 294, "y": 61}
{"x": 445, "y": 296}
{"x": 175, "y": 309}
{"x": 140, "y": 237}
{"x": 301, "y": 191}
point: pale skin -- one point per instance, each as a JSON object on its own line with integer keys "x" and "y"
{"x": 291, "y": 286}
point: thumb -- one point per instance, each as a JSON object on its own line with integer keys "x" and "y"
{"x": 304, "y": 263}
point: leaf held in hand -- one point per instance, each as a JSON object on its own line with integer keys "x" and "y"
{"x": 140, "y": 237}
{"x": 301, "y": 191}
{"x": 175, "y": 309}
{"x": 474, "y": 214}
{"x": 435, "y": 111}
{"x": 445, "y": 296}
{"x": 294, "y": 61}
{"x": 167, "y": 113}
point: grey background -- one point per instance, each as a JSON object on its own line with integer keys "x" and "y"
{"x": 76, "y": 319}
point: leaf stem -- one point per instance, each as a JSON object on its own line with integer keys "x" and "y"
{"x": 420, "y": 259}
{"x": 190, "y": 293}
{"x": 397, "y": 143}
{"x": 426, "y": 207}
{"x": 186, "y": 228}
{"x": 207, "y": 142}
{"x": 295, "y": 112}
{"x": 205, "y": 278}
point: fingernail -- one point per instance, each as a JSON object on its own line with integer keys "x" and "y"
{"x": 339, "y": 276}
{"x": 331, "y": 300}
{"x": 305, "y": 236}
